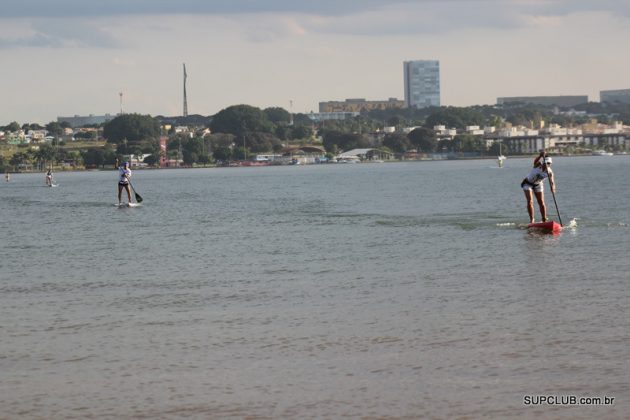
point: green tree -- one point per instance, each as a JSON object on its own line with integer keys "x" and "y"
{"x": 47, "y": 154}
{"x": 302, "y": 119}
{"x": 12, "y": 127}
{"x": 468, "y": 143}
{"x": 397, "y": 142}
{"x": 394, "y": 121}
{"x": 31, "y": 126}
{"x": 261, "y": 142}
{"x": 239, "y": 119}
{"x": 54, "y": 128}
{"x": 222, "y": 153}
{"x": 93, "y": 157}
{"x": 278, "y": 115}
{"x": 343, "y": 141}
{"x": 19, "y": 158}
{"x": 455, "y": 117}
{"x": 423, "y": 139}
{"x": 131, "y": 127}
{"x": 87, "y": 135}
{"x": 301, "y": 132}
{"x": 189, "y": 157}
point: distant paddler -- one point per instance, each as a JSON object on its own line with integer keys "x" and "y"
{"x": 533, "y": 185}
{"x": 124, "y": 173}
{"x": 49, "y": 177}
{"x": 7, "y": 177}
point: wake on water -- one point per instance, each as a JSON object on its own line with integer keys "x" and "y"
{"x": 572, "y": 224}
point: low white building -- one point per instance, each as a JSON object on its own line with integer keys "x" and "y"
{"x": 137, "y": 161}
{"x": 363, "y": 155}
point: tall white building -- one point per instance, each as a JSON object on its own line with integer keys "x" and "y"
{"x": 422, "y": 83}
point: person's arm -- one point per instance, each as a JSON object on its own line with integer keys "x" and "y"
{"x": 539, "y": 157}
{"x": 552, "y": 182}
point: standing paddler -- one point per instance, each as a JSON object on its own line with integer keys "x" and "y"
{"x": 49, "y": 177}
{"x": 533, "y": 185}
{"x": 124, "y": 173}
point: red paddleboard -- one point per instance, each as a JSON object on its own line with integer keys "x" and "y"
{"x": 550, "y": 227}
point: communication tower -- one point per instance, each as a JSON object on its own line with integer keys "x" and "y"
{"x": 185, "y": 99}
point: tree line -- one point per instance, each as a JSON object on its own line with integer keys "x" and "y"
{"x": 240, "y": 131}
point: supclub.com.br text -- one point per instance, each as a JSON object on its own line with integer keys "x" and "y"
{"x": 566, "y": 400}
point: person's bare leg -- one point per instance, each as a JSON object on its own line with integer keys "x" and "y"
{"x": 541, "y": 204}
{"x": 530, "y": 205}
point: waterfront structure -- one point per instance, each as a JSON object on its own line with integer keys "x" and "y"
{"x": 559, "y": 140}
{"x": 80, "y": 121}
{"x": 360, "y": 155}
{"x": 562, "y": 101}
{"x": 360, "y": 104}
{"x": 619, "y": 95}
{"x": 422, "y": 83}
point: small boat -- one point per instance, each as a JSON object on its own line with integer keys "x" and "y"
{"x": 602, "y": 153}
{"x": 546, "y": 227}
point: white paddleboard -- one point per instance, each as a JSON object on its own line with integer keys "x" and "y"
{"x": 121, "y": 205}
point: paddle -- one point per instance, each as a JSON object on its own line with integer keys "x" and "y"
{"x": 556, "y": 203}
{"x": 138, "y": 197}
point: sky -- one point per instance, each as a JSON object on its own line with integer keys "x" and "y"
{"x": 75, "y": 57}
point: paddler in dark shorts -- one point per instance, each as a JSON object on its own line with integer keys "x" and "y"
{"x": 533, "y": 185}
{"x": 124, "y": 173}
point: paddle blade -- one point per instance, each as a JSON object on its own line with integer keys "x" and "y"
{"x": 138, "y": 197}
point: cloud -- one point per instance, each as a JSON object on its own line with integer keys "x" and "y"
{"x": 88, "y": 8}
{"x": 61, "y": 8}
{"x": 60, "y": 33}
{"x": 342, "y": 17}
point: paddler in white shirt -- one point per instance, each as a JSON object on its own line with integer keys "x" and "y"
{"x": 124, "y": 173}
{"x": 533, "y": 185}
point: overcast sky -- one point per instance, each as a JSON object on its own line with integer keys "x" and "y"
{"x": 67, "y": 57}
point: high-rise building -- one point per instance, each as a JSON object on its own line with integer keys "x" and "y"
{"x": 422, "y": 83}
{"x": 619, "y": 95}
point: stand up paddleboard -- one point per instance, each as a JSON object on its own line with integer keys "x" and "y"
{"x": 546, "y": 227}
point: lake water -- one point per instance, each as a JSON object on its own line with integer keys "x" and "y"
{"x": 404, "y": 290}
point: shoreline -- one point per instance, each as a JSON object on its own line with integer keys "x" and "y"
{"x": 241, "y": 164}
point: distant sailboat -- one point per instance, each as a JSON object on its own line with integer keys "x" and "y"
{"x": 501, "y": 158}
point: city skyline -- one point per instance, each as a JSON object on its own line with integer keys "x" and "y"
{"x": 71, "y": 58}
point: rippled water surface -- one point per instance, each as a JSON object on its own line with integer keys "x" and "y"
{"x": 404, "y": 290}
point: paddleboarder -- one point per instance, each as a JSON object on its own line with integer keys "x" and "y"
{"x": 533, "y": 185}
{"x": 49, "y": 178}
{"x": 124, "y": 173}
